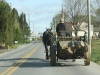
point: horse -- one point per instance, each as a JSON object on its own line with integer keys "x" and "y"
{"x": 47, "y": 40}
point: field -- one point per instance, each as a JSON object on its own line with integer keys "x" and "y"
{"x": 95, "y": 54}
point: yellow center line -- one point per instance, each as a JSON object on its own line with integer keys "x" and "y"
{"x": 21, "y": 61}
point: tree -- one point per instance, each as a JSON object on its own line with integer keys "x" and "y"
{"x": 12, "y": 26}
{"x": 24, "y": 26}
{"x": 5, "y": 24}
{"x": 16, "y": 26}
{"x": 76, "y": 9}
{"x": 96, "y": 10}
{"x": 96, "y": 3}
{"x": 98, "y": 14}
{"x": 56, "y": 19}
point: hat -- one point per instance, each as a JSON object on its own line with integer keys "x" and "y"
{"x": 62, "y": 20}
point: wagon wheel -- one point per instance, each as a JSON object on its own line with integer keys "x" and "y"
{"x": 87, "y": 56}
{"x": 53, "y": 55}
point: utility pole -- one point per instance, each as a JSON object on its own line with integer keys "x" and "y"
{"x": 33, "y": 31}
{"x": 29, "y": 23}
{"x": 54, "y": 27}
{"x": 89, "y": 23}
{"x": 23, "y": 25}
{"x": 29, "y": 19}
{"x": 62, "y": 11}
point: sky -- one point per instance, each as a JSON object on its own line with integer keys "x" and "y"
{"x": 40, "y": 12}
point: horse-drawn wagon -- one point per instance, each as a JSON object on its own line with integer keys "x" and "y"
{"x": 70, "y": 47}
{"x": 67, "y": 45}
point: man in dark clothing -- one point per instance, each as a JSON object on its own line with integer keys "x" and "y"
{"x": 61, "y": 31}
{"x": 61, "y": 28}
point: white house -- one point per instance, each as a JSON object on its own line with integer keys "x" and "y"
{"x": 84, "y": 26}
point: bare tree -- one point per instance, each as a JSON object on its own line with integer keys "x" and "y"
{"x": 96, "y": 2}
{"x": 96, "y": 10}
{"x": 77, "y": 11}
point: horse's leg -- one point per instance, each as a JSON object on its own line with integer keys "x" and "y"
{"x": 58, "y": 50}
{"x": 46, "y": 51}
{"x": 51, "y": 43}
{"x": 50, "y": 51}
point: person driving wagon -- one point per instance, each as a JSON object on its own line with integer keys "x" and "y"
{"x": 61, "y": 28}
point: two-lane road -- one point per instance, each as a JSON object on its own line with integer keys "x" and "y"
{"x": 30, "y": 59}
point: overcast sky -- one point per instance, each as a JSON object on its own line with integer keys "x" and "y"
{"x": 41, "y": 11}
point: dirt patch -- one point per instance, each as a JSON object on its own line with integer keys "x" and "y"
{"x": 3, "y": 50}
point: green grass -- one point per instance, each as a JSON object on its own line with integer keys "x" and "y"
{"x": 1, "y": 52}
{"x": 14, "y": 46}
{"x": 95, "y": 54}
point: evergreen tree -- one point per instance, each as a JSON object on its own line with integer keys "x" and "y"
{"x": 16, "y": 26}
{"x": 5, "y": 25}
{"x": 12, "y": 26}
{"x": 24, "y": 26}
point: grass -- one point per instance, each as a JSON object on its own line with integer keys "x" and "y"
{"x": 14, "y": 46}
{"x": 95, "y": 54}
{"x": 3, "y": 51}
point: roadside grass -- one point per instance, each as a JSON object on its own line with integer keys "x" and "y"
{"x": 2, "y": 52}
{"x": 11, "y": 47}
{"x": 95, "y": 53}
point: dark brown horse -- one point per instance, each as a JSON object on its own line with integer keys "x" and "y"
{"x": 47, "y": 40}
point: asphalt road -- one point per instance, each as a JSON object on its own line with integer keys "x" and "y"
{"x": 29, "y": 59}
